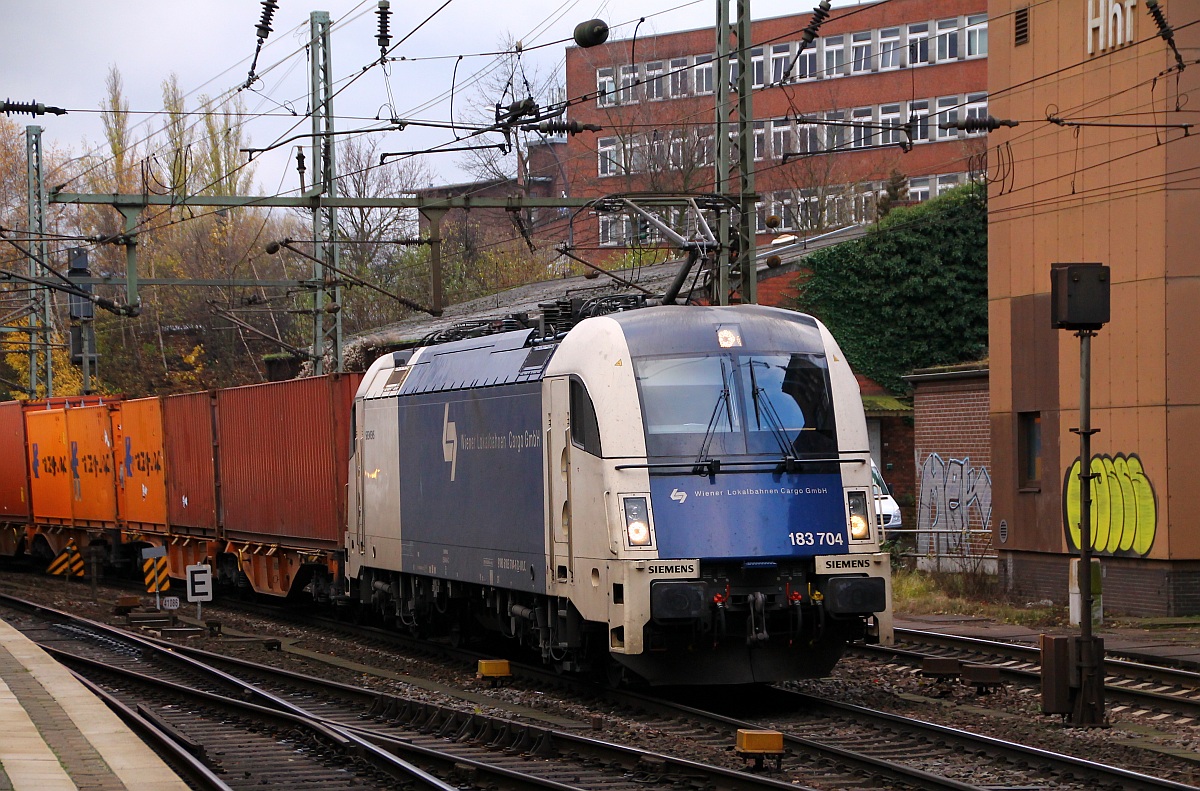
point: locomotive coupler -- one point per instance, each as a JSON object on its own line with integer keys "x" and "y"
{"x": 756, "y": 623}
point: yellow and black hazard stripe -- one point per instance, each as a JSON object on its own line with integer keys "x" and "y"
{"x": 157, "y": 577}
{"x": 68, "y": 562}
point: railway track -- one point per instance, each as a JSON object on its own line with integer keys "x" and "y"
{"x": 1134, "y": 687}
{"x": 827, "y": 744}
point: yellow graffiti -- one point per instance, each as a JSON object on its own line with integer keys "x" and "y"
{"x": 1123, "y": 513}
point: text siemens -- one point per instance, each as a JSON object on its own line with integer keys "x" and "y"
{"x": 677, "y": 568}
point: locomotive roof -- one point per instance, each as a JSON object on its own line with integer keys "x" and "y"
{"x": 509, "y": 357}
{"x": 691, "y": 328}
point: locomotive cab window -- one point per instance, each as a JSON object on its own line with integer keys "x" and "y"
{"x": 585, "y": 429}
{"x": 688, "y": 401}
{"x": 732, "y": 404}
{"x": 788, "y": 400}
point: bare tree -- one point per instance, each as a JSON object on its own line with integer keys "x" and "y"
{"x": 374, "y": 254}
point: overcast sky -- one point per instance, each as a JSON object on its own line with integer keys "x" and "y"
{"x": 59, "y": 53}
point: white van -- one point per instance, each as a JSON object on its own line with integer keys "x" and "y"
{"x": 886, "y": 507}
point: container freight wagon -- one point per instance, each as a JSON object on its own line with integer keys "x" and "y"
{"x": 282, "y": 453}
{"x": 251, "y": 479}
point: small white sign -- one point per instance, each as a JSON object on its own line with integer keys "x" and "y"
{"x": 199, "y": 582}
{"x": 170, "y": 603}
{"x": 154, "y": 552}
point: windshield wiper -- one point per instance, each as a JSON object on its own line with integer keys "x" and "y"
{"x": 705, "y": 465}
{"x": 767, "y": 410}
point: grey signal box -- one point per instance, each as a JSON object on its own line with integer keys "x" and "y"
{"x": 1079, "y": 296}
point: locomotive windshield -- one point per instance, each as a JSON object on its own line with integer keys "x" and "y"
{"x": 745, "y": 403}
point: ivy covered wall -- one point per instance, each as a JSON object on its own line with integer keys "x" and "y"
{"x": 910, "y": 294}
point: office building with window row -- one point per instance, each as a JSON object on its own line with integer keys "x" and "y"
{"x": 832, "y": 122}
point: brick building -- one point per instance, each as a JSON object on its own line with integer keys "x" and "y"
{"x": 828, "y": 133}
{"x": 1108, "y": 181}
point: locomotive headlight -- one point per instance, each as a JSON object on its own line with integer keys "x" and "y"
{"x": 637, "y": 521}
{"x": 728, "y": 336}
{"x": 860, "y": 522}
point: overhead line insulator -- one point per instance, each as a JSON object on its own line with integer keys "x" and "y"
{"x": 384, "y": 39}
{"x": 32, "y": 108}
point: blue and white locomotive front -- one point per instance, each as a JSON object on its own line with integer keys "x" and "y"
{"x": 729, "y": 476}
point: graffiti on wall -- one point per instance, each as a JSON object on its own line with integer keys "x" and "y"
{"x": 955, "y": 497}
{"x": 1123, "y": 513}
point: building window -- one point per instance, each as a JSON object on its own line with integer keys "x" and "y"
{"x": 608, "y": 163}
{"x": 918, "y": 189}
{"x": 760, "y": 217}
{"x": 704, "y": 74}
{"x": 977, "y": 36}
{"x": 704, "y": 148}
{"x": 861, "y": 52}
{"x": 889, "y": 48}
{"x": 835, "y": 56}
{"x": 806, "y": 65}
{"x": 760, "y": 140}
{"x": 654, "y": 81}
{"x": 781, "y": 137}
{"x": 758, "y": 73}
{"x": 627, "y": 93}
{"x": 835, "y": 133}
{"x": 918, "y": 44}
{"x": 787, "y": 217}
{"x": 610, "y": 230}
{"x": 863, "y": 133}
{"x": 781, "y": 57}
{"x": 947, "y": 113}
{"x": 810, "y": 210}
{"x": 918, "y": 120}
{"x": 889, "y": 119}
{"x": 606, "y": 88}
{"x": 976, "y": 108}
{"x": 636, "y": 154}
{"x": 947, "y": 40}
{"x": 946, "y": 183}
{"x": 808, "y": 138}
{"x": 658, "y": 152}
{"x": 1029, "y": 450}
{"x": 679, "y": 77}
{"x": 675, "y": 152}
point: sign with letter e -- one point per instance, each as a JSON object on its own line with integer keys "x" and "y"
{"x": 199, "y": 582}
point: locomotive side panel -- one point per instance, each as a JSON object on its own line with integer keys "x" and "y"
{"x": 471, "y": 499}
{"x": 14, "y": 468}
{"x": 374, "y": 536}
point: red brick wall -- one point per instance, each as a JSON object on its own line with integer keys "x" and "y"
{"x": 952, "y": 453}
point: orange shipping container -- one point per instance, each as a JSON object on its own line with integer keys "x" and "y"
{"x": 49, "y": 470}
{"x": 141, "y": 480}
{"x": 93, "y": 471}
{"x": 14, "y": 469}
{"x": 190, "y": 464}
{"x": 284, "y": 451}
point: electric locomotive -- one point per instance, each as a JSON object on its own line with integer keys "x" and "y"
{"x": 676, "y": 494}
